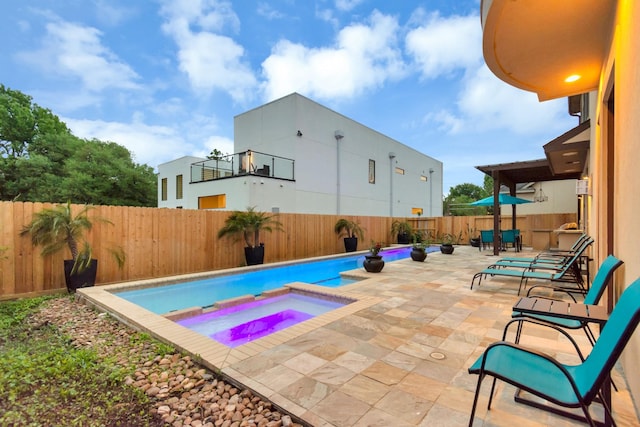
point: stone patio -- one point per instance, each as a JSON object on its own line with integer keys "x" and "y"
{"x": 398, "y": 356}
{"x": 404, "y": 360}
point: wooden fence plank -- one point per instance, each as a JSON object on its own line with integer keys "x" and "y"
{"x": 162, "y": 242}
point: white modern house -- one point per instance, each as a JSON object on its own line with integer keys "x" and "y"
{"x": 294, "y": 155}
{"x": 547, "y": 197}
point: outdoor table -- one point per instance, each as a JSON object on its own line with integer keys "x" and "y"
{"x": 568, "y": 310}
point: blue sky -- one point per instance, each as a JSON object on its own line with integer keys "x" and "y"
{"x": 166, "y": 77}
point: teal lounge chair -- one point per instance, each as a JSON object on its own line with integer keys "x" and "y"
{"x": 550, "y": 256}
{"x": 547, "y": 259}
{"x": 569, "y": 271}
{"x": 568, "y": 386}
{"x": 599, "y": 285}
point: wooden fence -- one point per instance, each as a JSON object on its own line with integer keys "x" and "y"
{"x": 165, "y": 242}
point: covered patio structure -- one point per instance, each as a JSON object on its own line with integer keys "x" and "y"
{"x": 565, "y": 159}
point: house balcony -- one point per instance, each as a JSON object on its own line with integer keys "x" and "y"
{"x": 241, "y": 164}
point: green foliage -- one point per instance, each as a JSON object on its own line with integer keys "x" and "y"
{"x": 248, "y": 225}
{"x": 471, "y": 190}
{"x": 42, "y": 161}
{"x": 457, "y": 202}
{"x": 57, "y": 227}
{"x": 47, "y": 381}
{"x": 447, "y": 239}
{"x": 348, "y": 228}
{"x": 401, "y": 227}
{"x": 215, "y": 155}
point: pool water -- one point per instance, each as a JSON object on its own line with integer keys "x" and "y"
{"x": 244, "y": 323}
{"x": 205, "y": 292}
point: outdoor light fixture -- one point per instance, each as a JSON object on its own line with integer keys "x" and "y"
{"x": 573, "y": 78}
{"x": 299, "y": 133}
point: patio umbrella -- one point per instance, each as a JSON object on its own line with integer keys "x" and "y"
{"x": 503, "y": 199}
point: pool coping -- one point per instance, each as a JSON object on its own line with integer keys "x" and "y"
{"x": 207, "y": 351}
{"x": 216, "y": 356}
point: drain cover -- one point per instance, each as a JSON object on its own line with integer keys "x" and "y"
{"x": 438, "y": 356}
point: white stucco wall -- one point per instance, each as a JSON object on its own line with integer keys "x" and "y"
{"x": 272, "y": 128}
{"x": 561, "y": 198}
{"x": 325, "y": 167}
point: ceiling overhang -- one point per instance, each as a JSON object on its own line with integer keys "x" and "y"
{"x": 528, "y": 171}
{"x": 535, "y": 45}
{"x": 568, "y": 152}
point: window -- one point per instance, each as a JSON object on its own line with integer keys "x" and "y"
{"x": 219, "y": 201}
{"x": 399, "y": 171}
{"x": 416, "y": 211}
{"x": 164, "y": 188}
{"x": 372, "y": 171}
{"x": 423, "y": 178}
{"x": 179, "y": 187}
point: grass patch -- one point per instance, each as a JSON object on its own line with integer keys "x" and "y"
{"x": 46, "y": 380}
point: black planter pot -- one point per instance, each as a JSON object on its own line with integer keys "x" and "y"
{"x": 418, "y": 254}
{"x": 446, "y": 249}
{"x": 404, "y": 238}
{"x": 373, "y": 263}
{"x": 474, "y": 242}
{"x": 350, "y": 244}
{"x": 82, "y": 279}
{"x": 254, "y": 255}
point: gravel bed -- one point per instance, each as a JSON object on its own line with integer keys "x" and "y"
{"x": 181, "y": 392}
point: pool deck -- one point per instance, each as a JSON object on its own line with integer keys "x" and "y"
{"x": 396, "y": 357}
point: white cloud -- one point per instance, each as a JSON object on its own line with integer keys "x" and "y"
{"x": 489, "y": 103}
{"x": 447, "y": 121}
{"x": 364, "y": 57}
{"x": 221, "y": 143}
{"x": 72, "y": 50}
{"x": 446, "y": 44}
{"x": 267, "y": 11}
{"x": 347, "y": 5}
{"x": 210, "y": 60}
{"x": 149, "y": 144}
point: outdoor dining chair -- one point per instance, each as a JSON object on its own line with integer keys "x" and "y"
{"x": 486, "y": 239}
{"x": 563, "y": 385}
{"x": 599, "y": 285}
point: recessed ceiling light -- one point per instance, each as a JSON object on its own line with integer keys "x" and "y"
{"x": 569, "y": 153}
{"x": 572, "y": 78}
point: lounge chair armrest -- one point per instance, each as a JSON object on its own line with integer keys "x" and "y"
{"x": 555, "y": 289}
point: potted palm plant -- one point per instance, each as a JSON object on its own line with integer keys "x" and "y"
{"x": 373, "y": 263}
{"x": 351, "y": 230}
{"x": 402, "y": 230}
{"x": 248, "y": 225}
{"x": 57, "y": 227}
{"x": 446, "y": 243}
{"x": 419, "y": 247}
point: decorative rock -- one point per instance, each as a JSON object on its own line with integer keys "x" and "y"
{"x": 181, "y": 392}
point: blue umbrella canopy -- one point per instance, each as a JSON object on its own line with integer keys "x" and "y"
{"x": 503, "y": 199}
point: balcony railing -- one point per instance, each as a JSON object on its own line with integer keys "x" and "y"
{"x": 244, "y": 163}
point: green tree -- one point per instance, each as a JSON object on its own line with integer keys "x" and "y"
{"x": 488, "y": 185}
{"x": 457, "y": 202}
{"x": 42, "y": 161}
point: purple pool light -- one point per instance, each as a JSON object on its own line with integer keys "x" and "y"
{"x": 259, "y": 328}
{"x": 237, "y": 325}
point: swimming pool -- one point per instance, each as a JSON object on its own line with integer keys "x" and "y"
{"x": 244, "y": 323}
{"x": 205, "y": 292}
